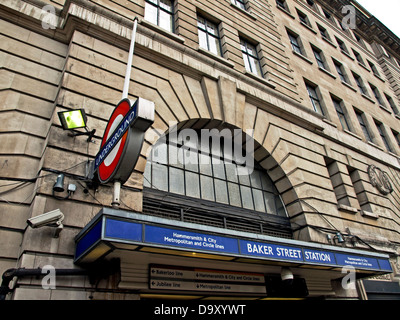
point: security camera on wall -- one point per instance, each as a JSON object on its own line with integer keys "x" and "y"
{"x": 51, "y": 219}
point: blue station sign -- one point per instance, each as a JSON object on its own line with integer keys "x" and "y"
{"x": 106, "y": 231}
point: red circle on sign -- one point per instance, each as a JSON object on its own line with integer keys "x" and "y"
{"x": 109, "y": 166}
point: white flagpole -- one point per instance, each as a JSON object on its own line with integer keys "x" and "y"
{"x": 130, "y": 57}
{"x": 125, "y": 92}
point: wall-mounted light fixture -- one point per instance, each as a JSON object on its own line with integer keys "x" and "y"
{"x": 339, "y": 237}
{"x": 75, "y": 119}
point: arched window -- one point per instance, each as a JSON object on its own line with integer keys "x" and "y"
{"x": 208, "y": 170}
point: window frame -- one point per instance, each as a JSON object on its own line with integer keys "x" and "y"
{"x": 246, "y": 55}
{"x": 384, "y": 137}
{"x": 341, "y": 71}
{"x": 208, "y": 22}
{"x": 315, "y": 96}
{"x": 341, "y": 113}
{"x": 160, "y": 8}
{"x": 320, "y": 58}
{"x": 377, "y": 95}
{"x": 295, "y": 43}
{"x": 360, "y": 84}
{"x": 363, "y": 124}
{"x": 241, "y": 4}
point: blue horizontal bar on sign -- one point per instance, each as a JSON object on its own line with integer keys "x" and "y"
{"x": 124, "y": 230}
{"x": 385, "y": 265}
{"x": 269, "y": 250}
{"x": 186, "y": 239}
{"x": 357, "y": 261}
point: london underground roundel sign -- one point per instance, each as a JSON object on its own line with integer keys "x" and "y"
{"x": 123, "y": 140}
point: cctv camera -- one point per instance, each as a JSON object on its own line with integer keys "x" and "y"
{"x": 52, "y": 218}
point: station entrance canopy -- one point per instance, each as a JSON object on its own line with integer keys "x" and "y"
{"x": 112, "y": 230}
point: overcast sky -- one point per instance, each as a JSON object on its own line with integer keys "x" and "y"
{"x": 386, "y": 11}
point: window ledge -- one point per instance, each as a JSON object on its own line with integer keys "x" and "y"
{"x": 303, "y": 57}
{"x": 347, "y": 209}
{"x": 327, "y": 72}
{"x": 329, "y": 122}
{"x": 308, "y": 27}
{"x": 347, "y": 54}
{"x": 286, "y": 11}
{"x": 258, "y": 78}
{"x": 164, "y": 32}
{"x": 364, "y": 66}
{"x": 244, "y": 11}
{"x": 353, "y": 134}
{"x": 329, "y": 41}
{"x": 385, "y": 108}
{"x": 368, "y": 98}
{"x": 375, "y": 145}
{"x": 379, "y": 77}
{"x": 349, "y": 86}
{"x": 397, "y": 116}
{"x": 216, "y": 57}
{"x": 369, "y": 214}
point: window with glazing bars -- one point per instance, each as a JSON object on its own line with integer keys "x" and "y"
{"x": 340, "y": 70}
{"x": 295, "y": 43}
{"x": 363, "y": 126}
{"x": 314, "y": 98}
{"x": 319, "y": 57}
{"x": 377, "y": 94}
{"x": 392, "y": 104}
{"x": 341, "y": 114}
{"x": 209, "y": 36}
{"x": 240, "y": 3}
{"x": 250, "y": 57}
{"x": 210, "y": 173}
{"x": 360, "y": 84}
{"x": 160, "y": 13}
{"x": 383, "y": 136}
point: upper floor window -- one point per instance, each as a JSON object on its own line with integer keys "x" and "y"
{"x": 358, "y": 57}
{"x": 341, "y": 114}
{"x": 303, "y": 18}
{"x": 295, "y": 42}
{"x": 360, "y": 84}
{"x": 323, "y": 32}
{"x": 314, "y": 98}
{"x": 282, "y": 4}
{"x": 342, "y": 46}
{"x": 382, "y": 133}
{"x": 240, "y": 3}
{"x": 160, "y": 13}
{"x": 397, "y": 137}
{"x": 319, "y": 57}
{"x": 363, "y": 125}
{"x": 373, "y": 68}
{"x": 250, "y": 57}
{"x": 377, "y": 94}
{"x": 392, "y": 104}
{"x": 209, "y": 36}
{"x": 340, "y": 70}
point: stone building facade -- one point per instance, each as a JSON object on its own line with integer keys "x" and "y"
{"x": 321, "y": 101}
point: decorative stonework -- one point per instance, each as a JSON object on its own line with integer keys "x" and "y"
{"x": 380, "y": 180}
